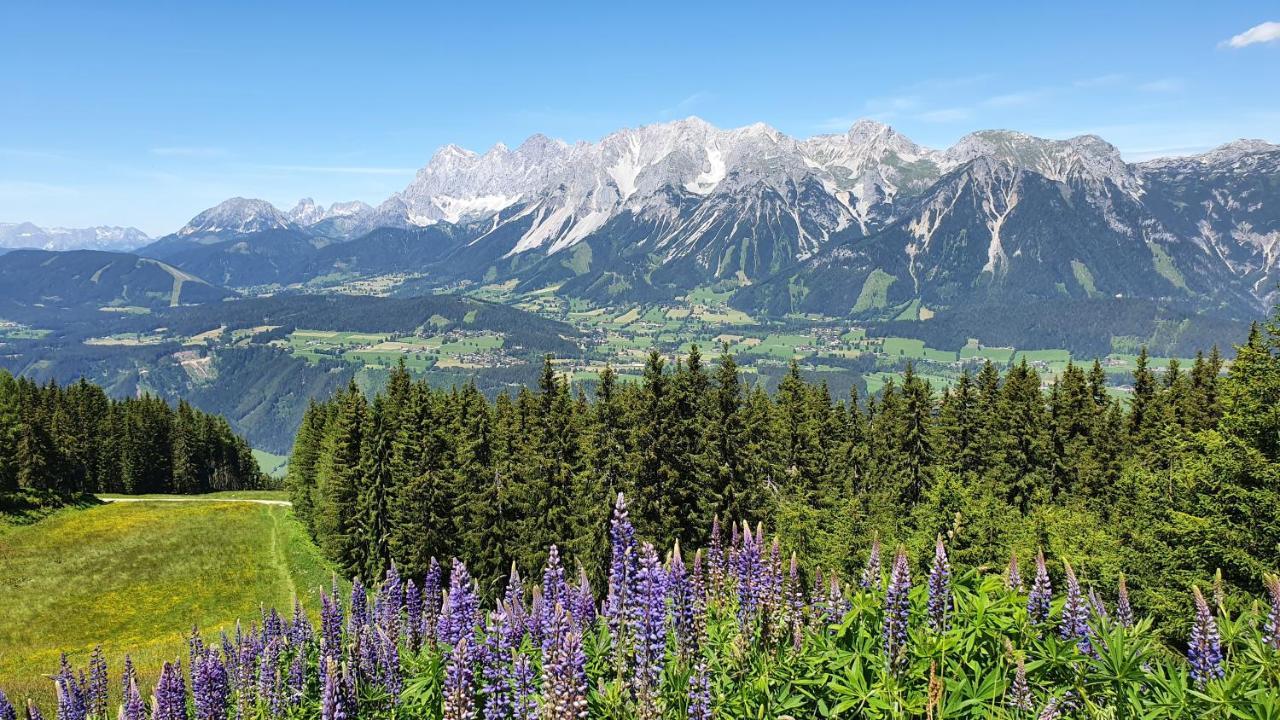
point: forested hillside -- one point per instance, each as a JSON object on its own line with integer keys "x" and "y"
{"x": 1167, "y": 484}
{"x": 57, "y": 443}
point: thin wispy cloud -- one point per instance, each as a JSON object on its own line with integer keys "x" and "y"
{"x": 1017, "y": 99}
{"x": 28, "y": 154}
{"x": 945, "y": 115}
{"x": 1108, "y": 80}
{"x": 686, "y": 104}
{"x": 339, "y": 169}
{"x": 189, "y": 151}
{"x": 1163, "y": 85}
{"x": 1267, "y": 32}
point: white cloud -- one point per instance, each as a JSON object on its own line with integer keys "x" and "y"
{"x": 1262, "y": 33}
{"x": 188, "y": 151}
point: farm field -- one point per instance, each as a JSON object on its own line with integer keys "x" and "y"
{"x": 135, "y": 576}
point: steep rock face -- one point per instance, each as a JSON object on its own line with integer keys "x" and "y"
{"x": 1018, "y": 221}
{"x": 1226, "y": 203}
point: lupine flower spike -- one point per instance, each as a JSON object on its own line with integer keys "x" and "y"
{"x": 1019, "y": 696}
{"x": 1271, "y": 630}
{"x": 1013, "y": 576}
{"x": 1204, "y": 652}
{"x": 1124, "y": 611}
{"x": 939, "y": 588}
{"x": 1075, "y": 613}
{"x": 871, "y": 578}
{"x": 897, "y": 609}
{"x": 1041, "y": 593}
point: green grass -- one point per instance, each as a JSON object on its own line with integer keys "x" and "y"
{"x": 270, "y": 463}
{"x": 912, "y": 348}
{"x": 875, "y": 291}
{"x": 220, "y": 495}
{"x": 136, "y": 576}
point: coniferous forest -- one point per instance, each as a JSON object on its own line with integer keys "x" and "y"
{"x": 1175, "y": 484}
{"x": 60, "y": 442}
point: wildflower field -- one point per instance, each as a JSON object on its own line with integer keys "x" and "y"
{"x": 737, "y": 630}
{"x": 134, "y": 576}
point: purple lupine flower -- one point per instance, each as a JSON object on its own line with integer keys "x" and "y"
{"x": 681, "y": 603}
{"x": 128, "y": 677}
{"x": 622, "y": 571}
{"x": 269, "y": 677}
{"x": 771, "y": 599}
{"x": 564, "y": 692}
{"x": 555, "y": 591}
{"x": 1041, "y": 593}
{"x": 330, "y": 625}
{"x": 897, "y": 610}
{"x": 495, "y": 668}
{"x": 33, "y": 712}
{"x": 583, "y": 601}
{"x": 700, "y": 693}
{"x": 1204, "y": 651}
{"x": 96, "y": 691}
{"x": 460, "y": 616}
{"x": 1099, "y": 606}
{"x": 939, "y": 588}
{"x": 1271, "y": 629}
{"x": 698, "y": 592}
{"x": 170, "y": 699}
{"x": 1012, "y": 575}
{"x": 132, "y": 707}
{"x": 748, "y": 572}
{"x": 391, "y": 595}
{"x": 872, "y": 574}
{"x": 297, "y": 682}
{"x": 1075, "y": 614}
{"x": 817, "y": 599}
{"x": 335, "y": 702}
{"x": 837, "y": 605}
{"x": 524, "y": 691}
{"x": 272, "y": 624}
{"x": 413, "y": 614}
{"x": 459, "y": 682}
{"x": 210, "y": 687}
{"x": 1019, "y": 694}
{"x": 430, "y": 602}
{"x": 517, "y": 621}
{"x": 366, "y": 655}
{"x": 795, "y": 605}
{"x": 358, "y": 609}
{"x": 715, "y": 558}
{"x": 389, "y": 664}
{"x": 195, "y": 646}
{"x": 1052, "y": 710}
{"x": 6, "y": 708}
{"x": 1124, "y": 612}
{"x": 72, "y": 703}
{"x": 649, "y": 625}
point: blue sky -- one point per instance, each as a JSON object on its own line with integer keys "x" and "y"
{"x": 145, "y": 113}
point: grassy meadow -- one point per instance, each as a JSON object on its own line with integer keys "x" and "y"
{"x": 135, "y": 576}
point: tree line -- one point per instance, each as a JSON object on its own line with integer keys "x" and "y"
{"x": 1173, "y": 483}
{"x": 59, "y": 442}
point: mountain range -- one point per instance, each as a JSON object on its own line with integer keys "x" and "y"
{"x": 30, "y": 236}
{"x": 865, "y": 223}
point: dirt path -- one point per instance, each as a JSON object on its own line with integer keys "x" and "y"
{"x": 255, "y": 501}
